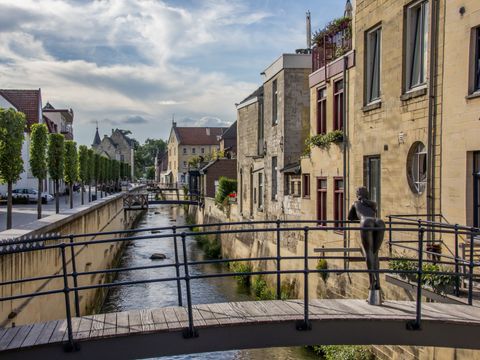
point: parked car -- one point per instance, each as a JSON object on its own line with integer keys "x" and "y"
{"x": 31, "y": 194}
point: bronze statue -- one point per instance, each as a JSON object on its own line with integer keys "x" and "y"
{"x": 365, "y": 210}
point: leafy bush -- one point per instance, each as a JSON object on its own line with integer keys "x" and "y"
{"x": 323, "y": 141}
{"x": 241, "y": 267}
{"x": 261, "y": 290}
{"x": 226, "y": 186}
{"x": 323, "y": 265}
{"x": 439, "y": 283}
{"x": 343, "y": 352}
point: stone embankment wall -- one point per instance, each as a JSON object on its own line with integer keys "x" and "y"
{"x": 106, "y": 214}
{"x": 334, "y": 286}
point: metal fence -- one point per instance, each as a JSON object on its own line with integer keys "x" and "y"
{"x": 69, "y": 276}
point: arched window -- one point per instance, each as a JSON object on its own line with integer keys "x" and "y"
{"x": 417, "y": 167}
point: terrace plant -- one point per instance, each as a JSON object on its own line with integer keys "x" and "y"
{"x": 56, "y": 154}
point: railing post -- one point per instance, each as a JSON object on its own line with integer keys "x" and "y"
{"x": 457, "y": 278}
{"x": 70, "y": 346}
{"x": 305, "y": 324}
{"x": 416, "y": 324}
{"x": 190, "y": 332}
{"x": 279, "y": 283}
{"x": 177, "y": 266}
{"x": 471, "y": 267}
{"x": 390, "y": 235}
{"x": 75, "y": 276}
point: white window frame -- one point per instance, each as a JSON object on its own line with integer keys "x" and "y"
{"x": 370, "y": 61}
{"x": 410, "y": 36}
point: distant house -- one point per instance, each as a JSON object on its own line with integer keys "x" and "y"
{"x": 186, "y": 143}
{"x": 161, "y": 168}
{"x": 211, "y": 173}
{"x": 228, "y": 141}
{"x": 28, "y": 102}
{"x": 117, "y": 146}
{"x": 61, "y": 119}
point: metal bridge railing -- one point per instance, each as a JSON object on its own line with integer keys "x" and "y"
{"x": 70, "y": 275}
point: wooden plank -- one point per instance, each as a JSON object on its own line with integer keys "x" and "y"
{"x": 197, "y": 318}
{"x": 86, "y": 323}
{"x": 75, "y": 326}
{"x": 159, "y": 319}
{"x": 97, "y": 326}
{"x": 207, "y": 314}
{"x": 122, "y": 323}
{"x": 33, "y": 335}
{"x": 134, "y": 321}
{"x": 46, "y": 333}
{"x": 19, "y": 338}
{"x": 8, "y": 337}
{"x": 182, "y": 316}
{"x": 171, "y": 318}
{"x": 59, "y": 332}
{"x": 228, "y": 314}
{"x": 147, "y": 320}
{"x": 110, "y": 324}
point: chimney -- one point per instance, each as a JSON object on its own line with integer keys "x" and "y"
{"x": 309, "y": 30}
{"x": 174, "y": 123}
{"x": 208, "y": 131}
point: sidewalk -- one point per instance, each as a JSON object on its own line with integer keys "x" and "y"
{"x": 26, "y": 213}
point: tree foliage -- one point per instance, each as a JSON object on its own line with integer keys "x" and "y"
{"x": 145, "y": 154}
{"x": 83, "y": 164}
{"x": 12, "y": 127}
{"x": 56, "y": 154}
{"x": 71, "y": 162}
{"x": 150, "y": 173}
{"x": 38, "y": 150}
{"x": 226, "y": 186}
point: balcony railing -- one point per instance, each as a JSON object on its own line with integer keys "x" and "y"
{"x": 331, "y": 43}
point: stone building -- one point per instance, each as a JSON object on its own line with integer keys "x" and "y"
{"x": 211, "y": 173}
{"x": 228, "y": 141}
{"x": 272, "y": 128}
{"x": 186, "y": 143}
{"x": 117, "y": 146}
{"x": 61, "y": 119}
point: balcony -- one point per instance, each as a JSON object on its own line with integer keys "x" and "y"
{"x": 331, "y": 42}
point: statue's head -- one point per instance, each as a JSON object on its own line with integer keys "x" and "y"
{"x": 362, "y": 193}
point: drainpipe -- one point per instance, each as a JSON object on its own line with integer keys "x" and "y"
{"x": 345, "y": 147}
{"x": 432, "y": 113}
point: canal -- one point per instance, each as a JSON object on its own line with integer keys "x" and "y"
{"x": 165, "y": 294}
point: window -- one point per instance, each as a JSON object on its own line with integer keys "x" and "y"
{"x": 306, "y": 185}
{"x": 274, "y": 103}
{"x": 184, "y": 150}
{"x": 338, "y": 201}
{"x": 338, "y": 105}
{"x": 476, "y": 189}
{"x": 475, "y": 83}
{"x": 373, "y": 56}
{"x": 194, "y": 150}
{"x": 416, "y": 44}
{"x": 292, "y": 185}
{"x": 417, "y": 167}
{"x": 260, "y": 134}
{"x": 184, "y": 164}
{"x": 322, "y": 200}
{"x": 321, "y": 111}
{"x": 372, "y": 178}
{"x": 274, "y": 178}
{"x": 122, "y": 157}
{"x": 202, "y": 150}
{"x": 260, "y": 190}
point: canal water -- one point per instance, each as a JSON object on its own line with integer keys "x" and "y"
{"x": 163, "y": 294}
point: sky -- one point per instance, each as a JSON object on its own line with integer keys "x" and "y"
{"x": 134, "y": 64}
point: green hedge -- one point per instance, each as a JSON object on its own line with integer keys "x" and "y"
{"x": 226, "y": 186}
{"x": 343, "y": 352}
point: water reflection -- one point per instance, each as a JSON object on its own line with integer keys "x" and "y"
{"x": 165, "y": 293}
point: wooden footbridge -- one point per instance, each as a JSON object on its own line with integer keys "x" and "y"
{"x": 193, "y": 328}
{"x": 159, "y": 196}
{"x": 243, "y": 325}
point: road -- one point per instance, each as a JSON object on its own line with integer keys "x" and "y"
{"x": 26, "y": 213}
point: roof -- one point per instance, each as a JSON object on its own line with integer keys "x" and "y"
{"x": 199, "y": 135}
{"x": 231, "y": 132}
{"x": 291, "y": 168}
{"x": 255, "y": 94}
{"x": 52, "y": 127}
{"x": 67, "y": 113}
{"x": 96, "y": 139}
{"x": 27, "y": 101}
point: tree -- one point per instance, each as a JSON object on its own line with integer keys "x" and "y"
{"x": 83, "y": 167}
{"x": 151, "y": 173}
{"x": 55, "y": 161}
{"x": 96, "y": 172}
{"x": 71, "y": 167}
{"x": 38, "y": 159}
{"x": 12, "y": 127}
{"x": 91, "y": 172}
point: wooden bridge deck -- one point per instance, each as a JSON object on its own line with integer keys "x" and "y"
{"x": 237, "y": 325}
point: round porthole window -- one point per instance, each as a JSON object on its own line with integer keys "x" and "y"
{"x": 417, "y": 167}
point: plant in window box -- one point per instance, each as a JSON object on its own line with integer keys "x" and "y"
{"x": 232, "y": 197}
{"x": 323, "y": 141}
